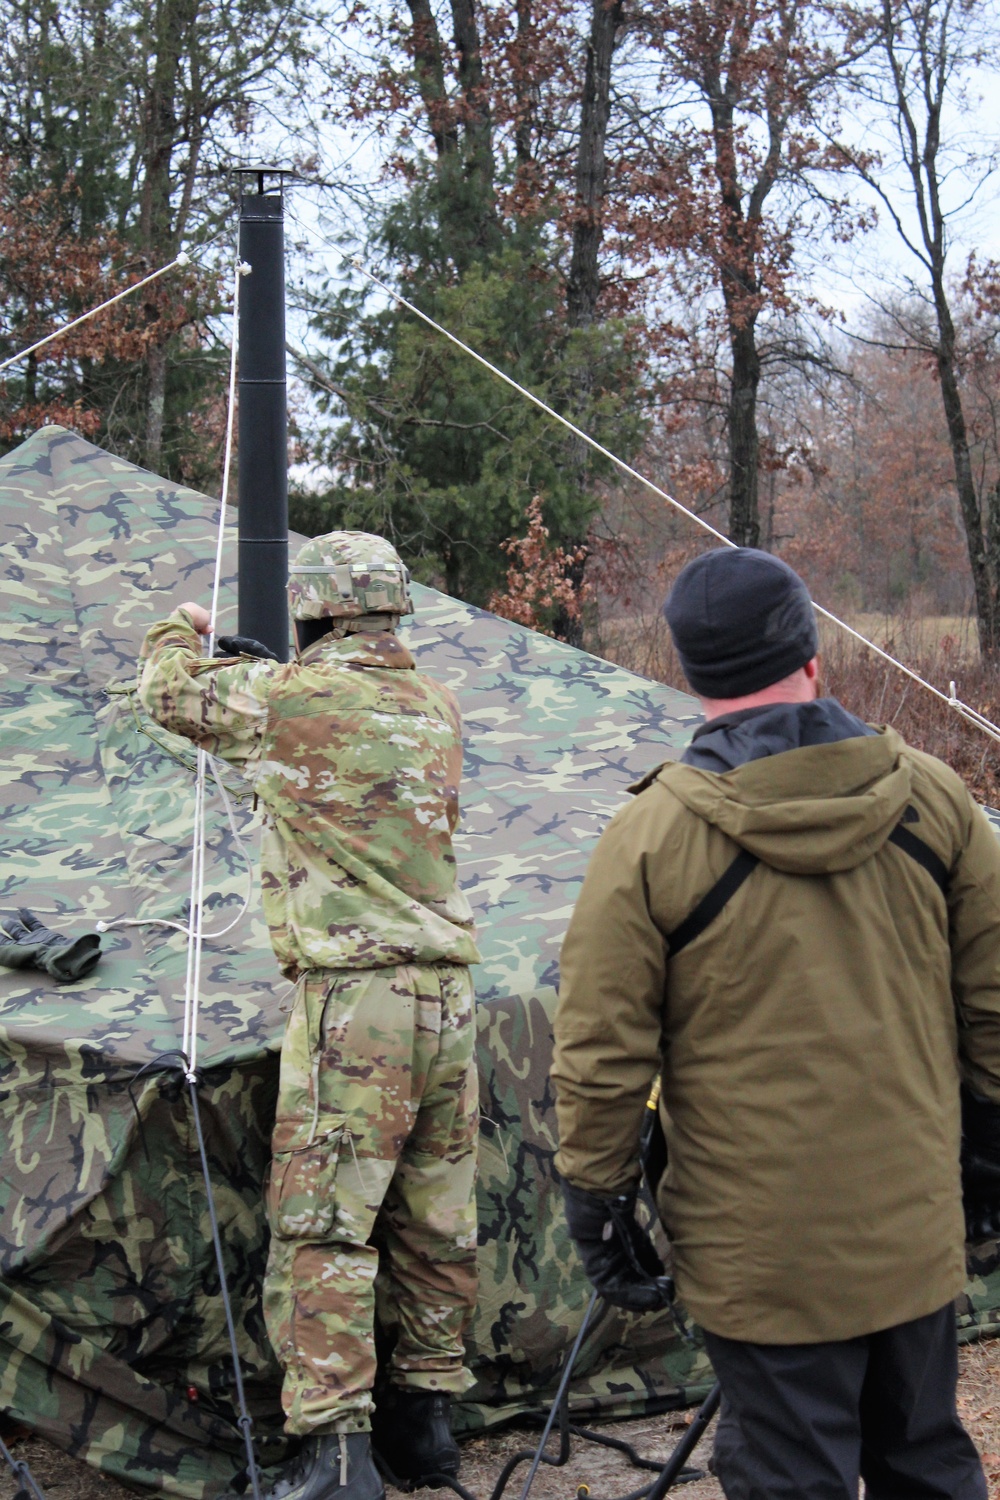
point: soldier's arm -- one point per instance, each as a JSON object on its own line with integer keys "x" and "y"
{"x": 220, "y": 705}
{"x": 609, "y": 1019}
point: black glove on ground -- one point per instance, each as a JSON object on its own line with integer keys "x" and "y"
{"x": 243, "y": 645}
{"x": 980, "y": 1165}
{"x": 26, "y": 944}
{"x": 618, "y": 1256}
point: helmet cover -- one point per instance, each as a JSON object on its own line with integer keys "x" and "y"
{"x": 345, "y": 574}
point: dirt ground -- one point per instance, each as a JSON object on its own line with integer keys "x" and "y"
{"x": 606, "y": 1474}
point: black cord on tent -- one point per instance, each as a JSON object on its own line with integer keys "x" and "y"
{"x": 560, "y": 1406}
{"x": 28, "y": 1487}
{"x": 652, "y": 1156}
{"x": 177, "y": 1059}
{"x": 245, "y": 1422}
{"x": 673, "y": 1472}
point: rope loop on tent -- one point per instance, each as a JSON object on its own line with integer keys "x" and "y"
{"x": 108, "y": 925}
{"x": 971, "y": 715}
{"x": 180, "y": 259}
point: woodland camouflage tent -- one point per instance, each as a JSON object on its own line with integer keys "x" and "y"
{"x": 111, "y": 1333}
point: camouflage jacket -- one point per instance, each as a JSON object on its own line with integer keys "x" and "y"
{"x": 356, "y": 758}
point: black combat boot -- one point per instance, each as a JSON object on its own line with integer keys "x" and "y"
{"x": 333, "y": 1466}
{"x": 411, "y": 1435}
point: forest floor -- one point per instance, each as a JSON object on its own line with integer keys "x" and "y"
{"x": 605, "y": 1472}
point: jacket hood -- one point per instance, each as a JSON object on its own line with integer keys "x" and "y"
{"x": 807, "y": 811}
{"x": 770, "y": 729}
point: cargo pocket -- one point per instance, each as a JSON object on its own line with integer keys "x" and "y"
{"x": 301, "y": 1189}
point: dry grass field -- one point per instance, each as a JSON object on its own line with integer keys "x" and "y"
{"x": 607, "y": 1474}
{"x": 951, "y": 637}
{"x": 940, "y": 648}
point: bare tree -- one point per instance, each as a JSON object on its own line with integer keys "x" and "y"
{"x": 584, "y": 284}
{"x": 920, "y": 83}
{"x": 738, "y": 170}
{"x": 140, "y": 103}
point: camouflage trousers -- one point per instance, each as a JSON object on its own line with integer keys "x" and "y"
{"x": 371, "y": 1195}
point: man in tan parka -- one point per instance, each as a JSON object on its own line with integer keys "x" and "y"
{"x": 798, "y": 926}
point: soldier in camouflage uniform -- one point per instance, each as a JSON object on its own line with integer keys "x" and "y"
{"x": 356, "y": 760}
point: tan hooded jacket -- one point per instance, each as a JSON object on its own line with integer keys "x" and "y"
{"x": 811, "y": 1038}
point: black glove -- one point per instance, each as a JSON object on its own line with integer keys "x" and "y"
{"x": 243, "y": 645}
{"x": 617, "y": 1255}
{"x": 26, "y": 944}
{"x": 980, "y": 1165}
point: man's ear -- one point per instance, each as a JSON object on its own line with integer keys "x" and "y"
{"x": 811, "y": 669}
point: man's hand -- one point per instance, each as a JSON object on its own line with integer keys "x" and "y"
{"x": 618, "y": 1256}
{"x": 243, "y": 645}
{"x": 980, "y": 1165}
{"x": 200, "y": 617}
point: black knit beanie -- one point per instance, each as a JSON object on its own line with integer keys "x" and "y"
{"x": 740, "y": 620}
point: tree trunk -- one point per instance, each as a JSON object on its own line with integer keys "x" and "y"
{"x": 584, "y": 285}
{"x": 478, "y": 163}
{"x": 932, "y": 41}
{"x": 741, "y": 298}
{"x": 453, "y": 574}
{"x": 156, "y": 393}
{"x": 475, "y": 97}
{"x": 171, "y": 22}
{"x": 524, "y": 85}
{"x": 993, "y": 563}
{"x": 744, "y": 513}
{"x": 428, "y": 65}
{"x": 983, "y": 560}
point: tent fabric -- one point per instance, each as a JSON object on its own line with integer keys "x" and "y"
{"x": 111, "y": 1329}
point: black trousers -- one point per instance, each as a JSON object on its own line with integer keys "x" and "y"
{"x": 811, "y": 1420}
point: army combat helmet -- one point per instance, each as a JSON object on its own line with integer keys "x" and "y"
{"x": 346, "y": 574}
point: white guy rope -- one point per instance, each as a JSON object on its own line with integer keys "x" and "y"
{"x": 195, "y": 933}
{"x": 978, "y": 720}
{"x": 196, "y": 913}
{"x": 181, "y": 259}
{"x": 192, "y": 975}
